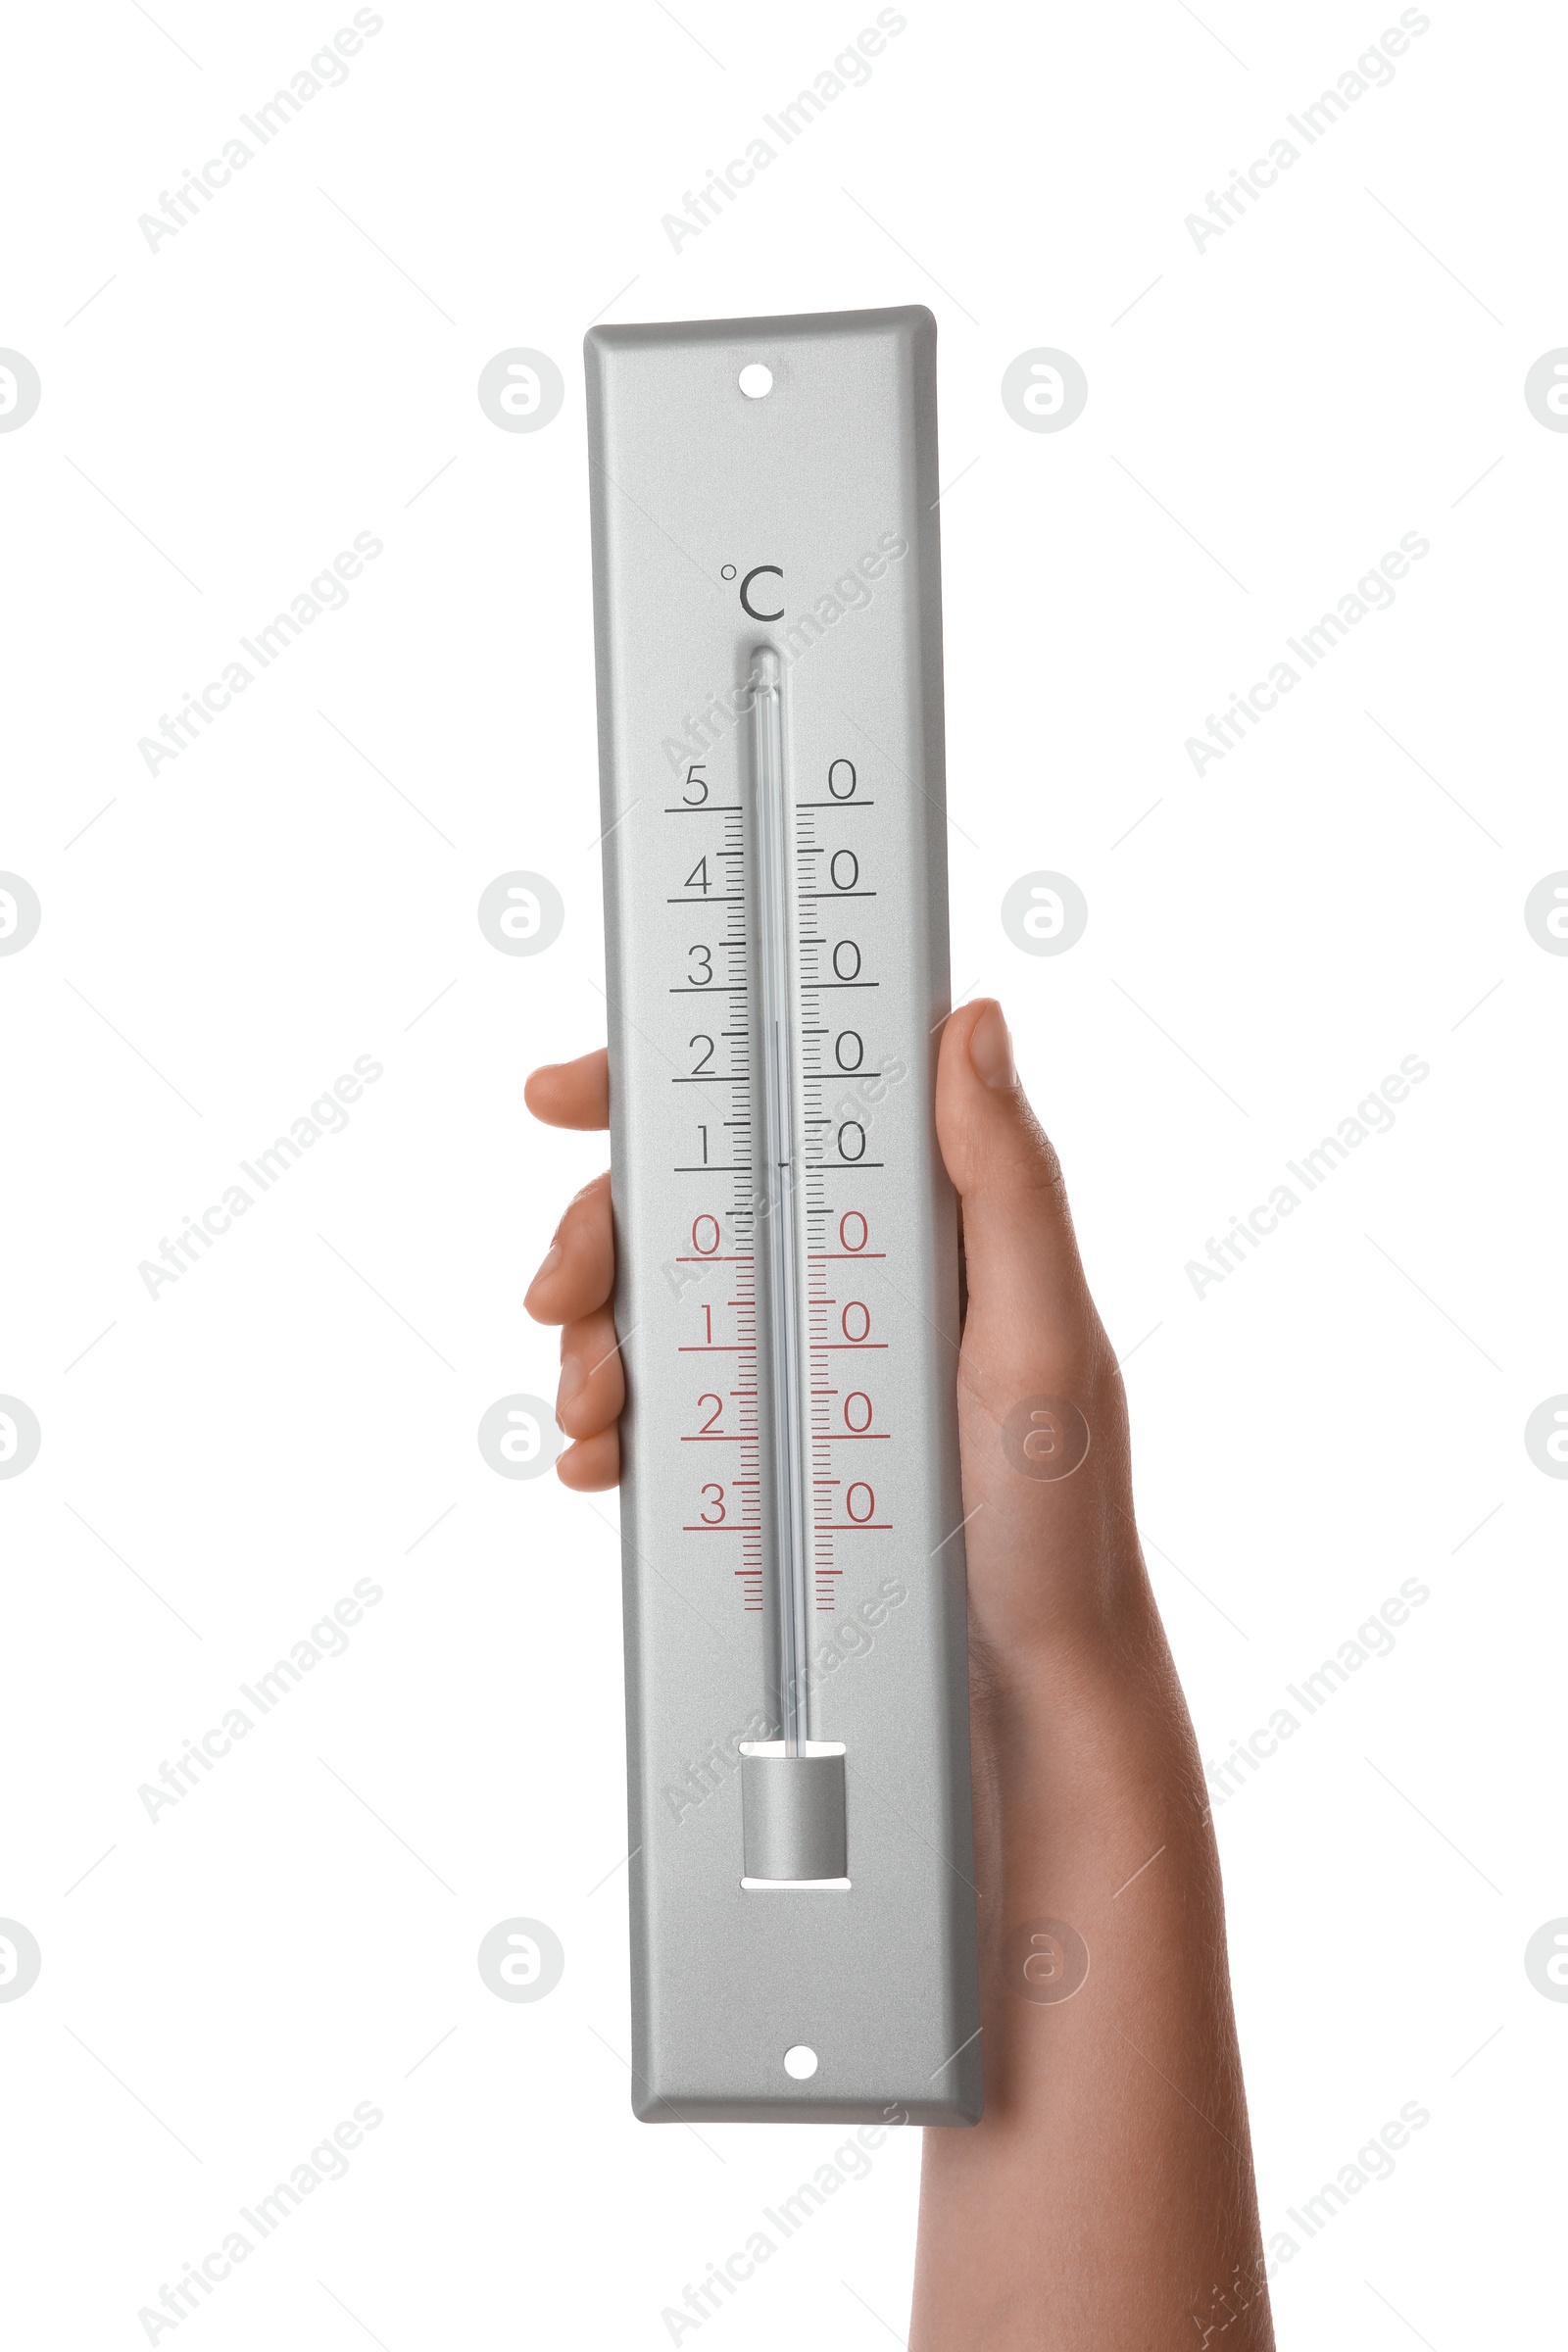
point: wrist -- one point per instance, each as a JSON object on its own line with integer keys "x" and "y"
{"x": 1082, "y": 1745}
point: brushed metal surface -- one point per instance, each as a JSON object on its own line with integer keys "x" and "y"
{"x": 819, "y": 503}
{"x": 795, "y": 1818}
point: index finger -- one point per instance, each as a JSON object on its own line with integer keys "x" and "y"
{"x": 572, "y": 1094}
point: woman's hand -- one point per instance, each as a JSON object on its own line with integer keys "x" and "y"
{"x": 1107, "y": 2199}
{"x": 572, "y": 1286}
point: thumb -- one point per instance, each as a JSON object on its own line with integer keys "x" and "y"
{"x": 1029, "y": 1308}
{"x": 1043, "y": 1418}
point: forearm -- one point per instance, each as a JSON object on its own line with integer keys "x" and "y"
{"x": 1107, "y": 2199}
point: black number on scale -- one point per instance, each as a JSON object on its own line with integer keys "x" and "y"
{"x": 696, "y": 791}
{"x": 836, "y": 784}
{"x": 697, "y": 879}
{"x": 701, "y": 978}
{"x": 846, "y": 1151}
{"x": 707, "y": 1057}
{"x": 851, "y": 869}
{"x": 703, "y": 1131}
{"x": 846, "y": 961}
{"x": 849, "y": 1049}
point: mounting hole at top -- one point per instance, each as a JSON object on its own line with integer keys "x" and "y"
{"x": 755, "y": 380}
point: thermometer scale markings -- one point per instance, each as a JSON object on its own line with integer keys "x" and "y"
{"x": 747, "y": 1525}
{"x": 791, "y": 1025}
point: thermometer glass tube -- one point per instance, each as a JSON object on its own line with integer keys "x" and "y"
{"x": 777, "y": 1206}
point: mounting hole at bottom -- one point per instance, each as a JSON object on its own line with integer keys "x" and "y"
{"x": 800, "y": 2062}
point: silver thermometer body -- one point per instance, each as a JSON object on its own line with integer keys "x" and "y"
{"x": 768, "y": 614}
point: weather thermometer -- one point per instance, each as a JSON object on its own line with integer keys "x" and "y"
{"x": 766, "y": 582}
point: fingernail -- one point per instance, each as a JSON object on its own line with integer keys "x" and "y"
{"x": 991, "y": 1049}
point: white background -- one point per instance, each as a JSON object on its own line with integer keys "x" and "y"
{"x": 298, "y": 365}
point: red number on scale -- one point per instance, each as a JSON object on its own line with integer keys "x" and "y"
{"x": 715, "y": 1509}
{"x": 857, "y": 1398}
{"x": 867, "y": 1506}
{"x": 714, "y": 1417}
{"x": 863, "y": 1316}
{"x": 854, "y": 1223}
{"x": 701, "y": 1225}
